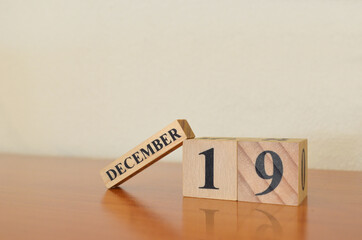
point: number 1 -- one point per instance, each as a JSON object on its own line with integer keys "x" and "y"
{"x": 209, "y": 169}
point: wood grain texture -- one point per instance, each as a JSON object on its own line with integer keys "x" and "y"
{"x": 145, "y": 154}
{"x": 224, "y": 169}
{"x": 73, "y": 204}
{"x": 250, "y": 184}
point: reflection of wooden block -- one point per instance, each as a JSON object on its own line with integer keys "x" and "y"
{"x": 272, "y": 170}
{"x": 210, "y": 168}
{"x": 270, "y": 221}
{"x": 209, "y": 219}
{"x": 147, "y": 153}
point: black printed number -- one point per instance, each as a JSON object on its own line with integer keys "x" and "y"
{"x": 303, "y": 170}
{"x": 277, "y": 170}
{"x": 259, "y": 168}
{"x": 209, "y": 169}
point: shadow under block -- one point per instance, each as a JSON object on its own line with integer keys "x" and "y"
{"x": 272, "y": 170}
{"x": 210, "y": 168}
{"x": 147, "y": 153}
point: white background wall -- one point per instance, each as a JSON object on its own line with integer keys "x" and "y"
{"x": 95, "y": 78}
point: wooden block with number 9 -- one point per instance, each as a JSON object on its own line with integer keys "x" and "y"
{"x": 272, "y": 170}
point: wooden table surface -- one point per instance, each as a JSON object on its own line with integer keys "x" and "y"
{"x": 64, "y": 198}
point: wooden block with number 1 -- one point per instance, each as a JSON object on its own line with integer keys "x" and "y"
{"x": 210, "y": 168}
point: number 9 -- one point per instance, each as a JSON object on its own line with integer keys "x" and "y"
{"x": 277, "y": 170}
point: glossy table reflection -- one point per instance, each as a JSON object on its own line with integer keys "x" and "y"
{"x": 64, "y": 198}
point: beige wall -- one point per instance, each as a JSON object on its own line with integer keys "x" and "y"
{"x": 95, "y": 78}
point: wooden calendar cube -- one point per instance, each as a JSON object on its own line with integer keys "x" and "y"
{"x": 210, "y": 168}
{"x": 272, "y": 170}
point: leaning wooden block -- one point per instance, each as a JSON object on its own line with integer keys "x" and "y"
{"x": 147, "y": 153}
{"x": 210, "y": 168}
{"x": 272, "y": 170}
